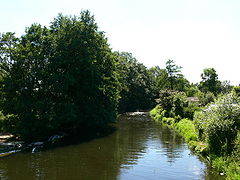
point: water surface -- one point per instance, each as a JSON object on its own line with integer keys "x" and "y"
{"x": 139, "y": 150}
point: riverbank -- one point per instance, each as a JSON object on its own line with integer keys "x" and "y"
{"x": 228, "y": 166}
{"x": 4, "y": 137}
{"x": 9, "y": 144}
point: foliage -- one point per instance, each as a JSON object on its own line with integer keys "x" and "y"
{"x": 190, "y": 110}
{"x": 173, "y": 102}
{"x": 157, "y": 113}
{"x": 137, "y": 86}
{"x": 226, "y": 87}
{"x": 180, "y": 103}
{"x": 169, "y": 121}
{"x": 192, "y": 91}
{"x": 205, "y": 98}
{"x": 185, "y": 127}
{"x": 219, "y": 164}
{"x": 236, "y": 90}
{"x": 158, "y": 78}
{"x": 7, "y": 44}
{"x": 210, "y": 82}
{"x": 228, "y": 166}
{"x": 173, "y": 72}
{"x": 60, "y": 78}
{"x": 170, "y": 77}
{"x": 220, "y": 123}
{"x": 215, "y": 131}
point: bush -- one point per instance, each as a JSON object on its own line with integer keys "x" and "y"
{"x": 219, "y": 164}
{"x": 157, "y": 113}
{"x": 227, "y": 165}
{"x": 219, "y": 124}
{"x": 190, "y": 110}
{"x": 236, "y": 90}
{"x": 205, "y": 98}
{"x": 169, "y": 121}
{"x": 174, "y": 103}
{"x": 232, "y": 170}
{"x": 199, "y": 120}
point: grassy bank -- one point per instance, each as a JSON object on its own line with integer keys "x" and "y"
{"x": 186, "y": 128}
{"x": 228, "y": 165}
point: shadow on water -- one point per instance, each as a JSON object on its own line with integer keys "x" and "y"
{"x": 138, "y": 149}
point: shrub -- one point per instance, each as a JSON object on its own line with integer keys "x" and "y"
{"x": 169, "y": 121}
{"x": 228, "y": 165}
{"x": 180, "y": 102}
{"x": 199, "y": 120}
{"x": 219, "y": 164}
{"x": 219, "y": 124}
{"x": 157, "y": 113}
{"x": 174, "y": 102}
{"x": 205, "y": 98}
{"x": 166, "y": 101}
{"x": 232, "y": 170}
{"x": 236, "y": 90}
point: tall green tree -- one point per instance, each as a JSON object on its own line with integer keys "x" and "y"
{"x": 173, "y": 71}
{"x": 170, "y": 77}
{"x": 160, "y": 78}
{"x": 61, "y": 78}
{"x": 210, "y": 82}
{"x": 137, "y": 92}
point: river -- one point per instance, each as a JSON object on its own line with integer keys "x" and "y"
{"x": 139, "y": 149}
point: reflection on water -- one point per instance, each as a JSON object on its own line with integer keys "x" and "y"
{"x": 139, "y": 149}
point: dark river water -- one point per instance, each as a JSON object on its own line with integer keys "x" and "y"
{"x": 139, "y": 150}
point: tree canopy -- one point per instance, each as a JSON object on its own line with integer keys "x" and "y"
{"x": 210, "y": 81}
{"x": 137, "y": 92}
{"x": 57, "y": 77}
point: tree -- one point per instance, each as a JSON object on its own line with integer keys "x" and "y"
{"x": 136, "y": 82}
{"x": 210, "y": 82}
{"x": 160, "y": 78}
{"x": 226, "y": 87}
{"x": 169, "y": 78}
{"x": 7, "y": 43}
{"x": 61, "y": 78}
{"x": 173, "y": 71}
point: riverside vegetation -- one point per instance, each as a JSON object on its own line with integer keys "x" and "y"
{"x": 66, "y": 79}
{"x": 213, "y": 131}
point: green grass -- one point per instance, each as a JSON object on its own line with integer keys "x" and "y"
{"x": 187, "y": 129}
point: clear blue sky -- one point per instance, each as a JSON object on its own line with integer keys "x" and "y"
{"x": 197, "y": 34}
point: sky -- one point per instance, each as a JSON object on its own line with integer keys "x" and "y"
{"x": 196, "y": 34}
